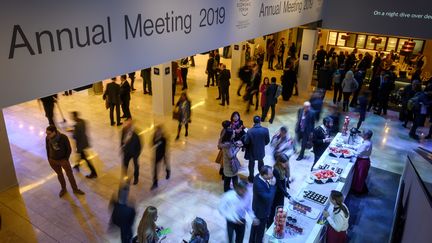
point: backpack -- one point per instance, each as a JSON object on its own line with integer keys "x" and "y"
{"x": 413, "y": 103}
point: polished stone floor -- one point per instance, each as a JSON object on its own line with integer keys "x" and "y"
{"x": 33, "y": 212}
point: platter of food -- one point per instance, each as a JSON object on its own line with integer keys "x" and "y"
{"x": 337, "y": 170}
{"x": 302, "y": 209}
{"x": 324, "y": 176}
{"x": 339, "y": 152}
{"x": 315, "y": 197}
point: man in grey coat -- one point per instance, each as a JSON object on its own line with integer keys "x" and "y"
{"x": 255, "y": 141}
{"x": 82, "y": 143}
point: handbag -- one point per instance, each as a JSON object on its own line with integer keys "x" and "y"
{"x": 176, "y": 113}
{"x": 219, "y": 157}
{"x": 235, "y": 164}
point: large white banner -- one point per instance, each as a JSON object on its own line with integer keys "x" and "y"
{"x": 47, "y": 46}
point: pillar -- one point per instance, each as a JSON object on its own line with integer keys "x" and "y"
{"x": 162, "y": 89}
{"x": 306, "y": 61}
{"x": 237, "y": 58}
{"x": 7, "y": 170}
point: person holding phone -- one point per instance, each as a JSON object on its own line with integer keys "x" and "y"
{"x": 148, "y": 231}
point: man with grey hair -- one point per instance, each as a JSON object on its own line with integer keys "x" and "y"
{"x": 304, "y": 127}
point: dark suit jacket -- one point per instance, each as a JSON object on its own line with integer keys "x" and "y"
{"x": 112, "y": 93}
{"x": 256, "y": 139}
{"x": 80, "y": 136}
{"x": 125, "y": 90}
{"x": 309, "y": 121}
{"x": 270, "y": 94}
{"x": 224, "y": 78}
{"x": 133, "y": 147}
{"x": 263, "y": 196}
{"x": 209, "y": 67}
{"x": 318, "y": 145}
{"x": 123, "y": 215}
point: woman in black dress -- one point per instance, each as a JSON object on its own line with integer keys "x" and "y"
{"x": 281, "y": 173}
{"x": 237, "y": 126}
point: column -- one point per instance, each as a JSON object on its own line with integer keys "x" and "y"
{"x": 7, "y": 170}
{"x": 237, "y": 57}
{"x": 308, "y": 46}
{"x": 162, "y": 89}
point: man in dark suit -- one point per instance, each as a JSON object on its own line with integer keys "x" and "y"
{"x": 321, "y": 138}
{"x": 263, "y": 194}
{"x": 209, "y": 70}
{"x": 146, "y": 76}
{"x": 112, "y": 93}
{"x": 123, "y": 215}
{"x": 271, "y": 100}
{"x": 224, "y": 83}
{"x": 132, "y": 78}
{"x": 304, "y": 126}
{"x": 131, "y": 148}
{"x": 125, "y": 97}
{"x": 255, "y": 141}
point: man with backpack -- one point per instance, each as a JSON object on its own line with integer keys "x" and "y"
{"x": 420, "y": 104}
{"x": 272, "y": 94}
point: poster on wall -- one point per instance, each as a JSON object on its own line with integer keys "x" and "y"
{"x": 47, "y": 46}
{"x": 388, "y": 17}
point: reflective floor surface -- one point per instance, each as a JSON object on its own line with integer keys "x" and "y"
{"x": 33, "y": 212}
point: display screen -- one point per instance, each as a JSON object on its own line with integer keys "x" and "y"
{"x": 389, "y": 17}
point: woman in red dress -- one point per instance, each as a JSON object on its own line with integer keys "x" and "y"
{"x": 362, "y": 165}
{"x": 337, "y": 219}
{"x": 263, "y": 88}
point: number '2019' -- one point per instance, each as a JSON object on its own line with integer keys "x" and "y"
{"x": 212, "y": 16}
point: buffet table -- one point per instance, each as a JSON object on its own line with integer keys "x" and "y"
{"x": 311, "y": 230}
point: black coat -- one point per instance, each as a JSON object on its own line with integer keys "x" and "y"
{"x": 123, "y": 215}
{"x": 255, "y": 141}
{"x": 309, "y": 122}
{"x": 325, "y": 78}
{"x": 112, "y": 93}
{"x": 80, "y": 136}
{"x": 263, "y": 196}
{"x": 281, "y": 190}
{"x": 224, "y": 79}
{"x": 210, "y": 63}
{"x": 319, "y": 146}
{"x": 133, "y": 146}
{"x": 125, "y": 90}
{"x": 270, "y": 94}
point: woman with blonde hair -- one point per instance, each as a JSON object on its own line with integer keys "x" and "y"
{"x": 337, "y": 219}
{"x": 147, "y": 229}
{"x": 281, "y": 172}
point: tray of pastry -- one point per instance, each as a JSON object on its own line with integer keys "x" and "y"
{"x": 315, "y": 197}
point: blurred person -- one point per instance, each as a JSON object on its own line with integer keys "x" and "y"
{"x": 292, "y": 50}
{"x": 317, "y": 102}
{"x": 80, "y": 135}
{"x": 336, "y": 117}
{"x": 132, "y": 78}
{"x": 130, "y": 145}
{"x": 123, "y": 214}
{"x": 341, "y": 59}
{"x": 253, "y": 89}
{"x": 359, "y": 77}
{"x": 255, "y": 141}
{"x": 112, "y": 97}
{"x": 374, "y": 87}
{"x": 349, "y": 85}
{"x": 224, "y": 83}
{"x": 200, "y": 233}
{"x": 321, "y": 138}
{"x": 421, "y": 104}
{"x": 229, "y": 153}
{"x": 160, "y": 146}
{"x": 363, "y": 102}
{"x": 58, "y": 153}
{"x": 147, "y": 229}
{"x": 48, "y": 103}
{"x": 338, "y": 219}
{"x": 408, "y": 92}
{"x": 385, "y": 89}
{"x": 281, "y": 172}
{"x": 333, "y": 62}
{"x": 289, "y": 79}
{"x": 320, "y": 58}
{"x": 236, "y": 124}
{"x": 304, "y": 127}
{"x": 362, "y": 164}
{"x": 233, "y": 207}
{"x": 263, "y": 89}
{"x": 338, "y": 76}
{"x": 325, "y": 78}
{"x": 146, "y": 76}
{"x": 184, "y": 66}
{"x": 351, "y": 60}
{"x": 174, "y": 67}
{"x": 280, "y": 54}
{"x": 245, "y": 74}
{"x": 282, "y": 143}
{"x": 184, "y": 108}
{"x": 210, "y": 70}
{"x": 125, "y": 97}
{"x": 272, "y": 94}
{"x": 271, "y": 53}
{"x": 264, "y": 190}
{"x": 376, "y": 65}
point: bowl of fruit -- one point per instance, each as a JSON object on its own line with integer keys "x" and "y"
{"x": 324, "y": 176}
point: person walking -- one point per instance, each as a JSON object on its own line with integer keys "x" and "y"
{"x": 338, "y": 76}
{"x": 349, "y": 85}
{"x": 58, "y": 153}
{"x": 304, "y": 127}
{"x": 321, "y": 138}
{"x": 48, "y": 103}
{"x": 80, "y": 135}
{"x": 245, "y": 75}
{"x": 263, "y": 88}
{"x": 281, "y": 172}
{"x": 210, "y": 71}
{"x": 409, "y": 91}
{"x": 282, "y": 143}
{"x": 112, "y": 97}
{"x": 374, "y": 87}
{"x": 386, "y": 87}
{"x": 147, "y": 84}
{"x": 233, "y": 207}
{"x": 271, "y": 54}
{"x": 264, "y": 190}
{"x": 272, "y": 94}
{"x": 123, "y": 214}
{"x": 280, "y": 55}
{"x": 255, "y": 141}
{"x": 253, "y": 89}
{"x": 132, "y": 78}
{"x": 184, "y": 66}
{"x": 229, "y": 151}
{"x": 184, "y": 110}
{"x": 160, "y": 146}
{"x": 363, "y": 102}
{"x": 131, "y": 147}
{"x": 289, "y": 79}
{"x": 224, "y": 83}
{"x": 125, "y": 97}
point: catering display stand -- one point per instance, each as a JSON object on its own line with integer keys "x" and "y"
{"x": 307, "y": 228}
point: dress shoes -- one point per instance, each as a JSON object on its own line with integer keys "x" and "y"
{"x": 62, "y": 192}
{"x": 78, "y": 192}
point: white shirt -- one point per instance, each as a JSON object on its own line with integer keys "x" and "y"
{"x": 234, "y": 208}
{"x": 364, "y": 150}
{"x": 338, "y": 221}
